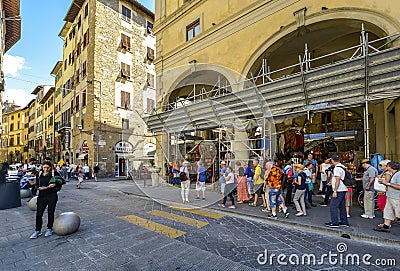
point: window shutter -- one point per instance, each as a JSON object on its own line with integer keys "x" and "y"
{"x": 150, "y": 54}
{"x": 126, "y": 42}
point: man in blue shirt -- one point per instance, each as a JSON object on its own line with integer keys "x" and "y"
{"x": 201, "y": 181}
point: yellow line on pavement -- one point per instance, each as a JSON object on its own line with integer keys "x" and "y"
{"x": 153, "y": 226}
{"x": 196, "y": 212}
{"x": 181, "y": 219}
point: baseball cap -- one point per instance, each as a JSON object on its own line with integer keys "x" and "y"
{"x": 223, "y": 163}
{"x": 365, "y": 160}
{"x": 335, "y": 157}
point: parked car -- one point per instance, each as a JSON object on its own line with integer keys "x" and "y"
{"x": 12, "y": 173}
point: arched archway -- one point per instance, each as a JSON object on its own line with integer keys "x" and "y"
{"x": 324, "y": 32}
{"x": 180, "y": 81}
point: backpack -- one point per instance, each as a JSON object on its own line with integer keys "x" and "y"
{"x": 348, "y": 180}
{"x": 182, "y": 176}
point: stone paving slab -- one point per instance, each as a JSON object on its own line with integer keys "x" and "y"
{"x": 317, "y": 216}
{"x": 105, "y": 242}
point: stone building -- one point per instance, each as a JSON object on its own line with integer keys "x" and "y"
{"x": 58, "y": 98}
{"x": 14, "y": 140}
{"x": 108, "y": 78}
{"x": 32, "y": 129}
{"x": 288, "y": 49}
{"x": 41, "y": 113}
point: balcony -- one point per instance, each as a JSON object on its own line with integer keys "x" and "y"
{"x": 64, "y": 126}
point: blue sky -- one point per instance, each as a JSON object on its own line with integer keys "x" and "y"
{"x": 29, "y": 62}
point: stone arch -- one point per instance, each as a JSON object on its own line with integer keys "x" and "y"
{"x": 202, "y": 74}
{"x": 379, "y": 23}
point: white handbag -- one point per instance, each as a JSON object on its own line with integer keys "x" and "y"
{"x": 379, "y": 186}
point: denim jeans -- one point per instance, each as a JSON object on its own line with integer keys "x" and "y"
{"x": 274, "y": 197}
{"x": 249, "y": 181}
{"x": 339, "y": 203}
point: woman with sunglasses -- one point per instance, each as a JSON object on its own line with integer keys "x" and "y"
{"x": 47, "y": 198}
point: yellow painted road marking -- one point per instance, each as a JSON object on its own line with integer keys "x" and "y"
{"x": 181, "y": 219}
{"x": 153, "y": 226}
{"x": 197, "y": 212}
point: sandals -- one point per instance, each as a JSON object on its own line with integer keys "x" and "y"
{"x": 382, "y": 229}
{"x": 252, "y": 204}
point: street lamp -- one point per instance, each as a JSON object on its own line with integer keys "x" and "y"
{"x": 98, "y": 98}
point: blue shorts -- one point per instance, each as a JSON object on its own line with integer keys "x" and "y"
{"x": 274, "y": 197}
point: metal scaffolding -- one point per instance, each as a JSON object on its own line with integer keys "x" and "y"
{"x": 371, "y": 74}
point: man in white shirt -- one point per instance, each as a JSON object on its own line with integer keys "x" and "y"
{"x": 338, "y": 201}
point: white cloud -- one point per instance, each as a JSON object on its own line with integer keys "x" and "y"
{"x": 18, "y": 96}
{"x": 13, "y": 64}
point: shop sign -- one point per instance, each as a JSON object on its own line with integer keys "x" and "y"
{"x": 85, "y": 146}
{"x": 67, "y": 140}
{"x": 123, "y": 147}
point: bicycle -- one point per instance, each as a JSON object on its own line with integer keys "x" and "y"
{"x": 360, "y": 200}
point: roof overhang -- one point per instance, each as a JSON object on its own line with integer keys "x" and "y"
{"x": 142, "y": 8}
{"x": 76, "y": 6}
{"x": 64, "y": 30}
{"x": 47, "y": 95}
{"x": 13, "y": 24}
{"x": 56, "y": 68}
{"x": 73, "y": 10}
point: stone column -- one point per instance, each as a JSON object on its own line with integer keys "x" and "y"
{"x": 240, "y": 145}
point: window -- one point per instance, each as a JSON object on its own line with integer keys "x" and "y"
{"x": 86, "y": 38}
{"x": 11, "y": 141}
{"x": 79, "y": 22}
{"x": 18, "y": 140}
{"x": 86, "y": 10}
{"x": 125, "y": 70}
{"x": 125, "y": 124}
{"x": 150, "y": 54}
{"x": 78, "y": 49}
{"x": 12, "y": 117}
{"x": 149, "y": 28}
{"x": 150, "y": 80}
{"x": 125, "y": 42}
{"x": 77, "y": 77}
{"x": 150, "y": 105}
{"x": 72, "y": 106}
{"x": 84, "y": 98}
{"x": 11, "y": 127}
{"x": 18, "y": 126}
{"x": 192, "y": 30}
{"x": 84, "y": 69}
{"x": 77, "y": 103}
{"x": 125, "y": 100}
{"x": 65, "y": 64}
{"x": 126, "y": 14}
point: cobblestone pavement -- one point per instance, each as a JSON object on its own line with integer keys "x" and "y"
{"x": 122, "y": 231}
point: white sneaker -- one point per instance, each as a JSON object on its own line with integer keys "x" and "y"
{"x": 36, "y": 234}
{"x": 366, "y": 216}
{"x": 48, "y": 233}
